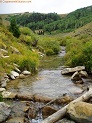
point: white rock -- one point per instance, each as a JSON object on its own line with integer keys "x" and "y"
{"x": 15, "y": 74}
{"x": 83, "y": 74}
{"x": 2, "y": 89}
{"x": 72, "y": 70}
{"x": 6, "y": 94}
{"x": 26, "y": 72}
{"x": 5, "y": 56}
{"x": 12, "y": 77}
{"x": 17, "y": 69}
{"x": 16, "y": 65}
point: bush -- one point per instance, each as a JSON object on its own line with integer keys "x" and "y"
{"x": 78, "y": 53}
{"x": 49, "y": 52}
{"x": 14, "y": 28}
{"x": 28, "y": 64}
{"x": 27, "y": 36}
{"x": 50, "y": 46}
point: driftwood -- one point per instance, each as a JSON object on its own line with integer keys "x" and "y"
{"x": 62, "y": 112}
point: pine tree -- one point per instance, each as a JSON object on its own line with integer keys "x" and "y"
{"x": 14, "y": 28}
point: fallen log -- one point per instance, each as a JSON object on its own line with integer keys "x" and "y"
{"x": 49, "y": 103}
{"x": 62, "y": 112}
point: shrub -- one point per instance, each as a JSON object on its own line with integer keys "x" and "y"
{"x": 27, "y": 36}
{"x": 14, "y": 28}
{"x": 51, "y": 46}
{"x": 49, "y": 52}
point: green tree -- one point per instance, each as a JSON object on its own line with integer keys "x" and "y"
{"x": 14, "y": 28}
{"x": 0, "y": 21}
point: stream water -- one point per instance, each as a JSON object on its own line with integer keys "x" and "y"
{"x": 48, "y": 82}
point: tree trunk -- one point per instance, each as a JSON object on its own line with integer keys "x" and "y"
{"x": 62, "y": 112}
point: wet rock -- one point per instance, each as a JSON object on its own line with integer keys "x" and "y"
{"x": 65, "y": 121}
{"x": 25, "y": 72}
{"x": 78, "y": 82}
{"x": 48, "y": 110}
{"x": 41, "y": 98}
{"x": 80, "y": 112}
{"x": 18, "y": 109}
{"x": 24, "y": 96}
{"x": 32, "y": 113}
{"x": 4, "y": 111}
{"x": 72, "y": 70}
{"x": 16, "y": 120}
{"x": 64, "y": 99}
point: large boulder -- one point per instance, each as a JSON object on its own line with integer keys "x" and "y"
{"x": 72, "y": 70}
{"x": 80, "y": 112}
{"x": 4, "y": 111}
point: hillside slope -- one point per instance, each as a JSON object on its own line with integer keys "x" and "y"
{"x": 53, "y": 22}
{"x": 13, "y": 51}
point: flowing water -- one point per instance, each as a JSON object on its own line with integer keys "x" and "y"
{"x": 48, "y": 81}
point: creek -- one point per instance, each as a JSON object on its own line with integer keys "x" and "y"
{"x": 48, "y": 82}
